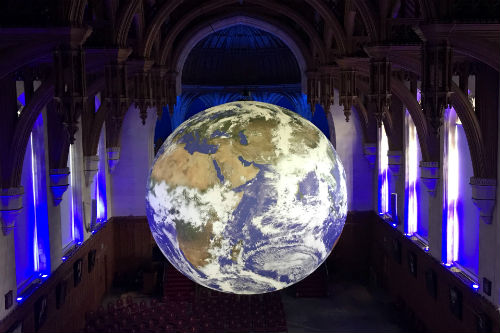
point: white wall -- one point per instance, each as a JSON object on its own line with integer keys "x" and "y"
{"x": 467, "y": 212}
{"x": 128, "y": 180}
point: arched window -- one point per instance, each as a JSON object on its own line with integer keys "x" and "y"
{"x": 417, "y": 222}
{"x": 383, "y": 168}
{"x": 461, "y": 217}
{"x": 31, "y": 234}
{"x": 100, "y": 193}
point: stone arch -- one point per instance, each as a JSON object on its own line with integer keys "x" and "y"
{"x": 472, "y": 131}
{"x": 366, "y": 15}
{"x": 206, "y": 29}
{"x": 41, "y": 98}
{"x": 164, "y": 12}
{"x": 124, "y": 21}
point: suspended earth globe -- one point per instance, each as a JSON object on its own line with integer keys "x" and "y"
{"x": 246, "y": 198}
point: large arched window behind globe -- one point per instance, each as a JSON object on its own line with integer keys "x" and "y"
{"x": 195, "y": 107}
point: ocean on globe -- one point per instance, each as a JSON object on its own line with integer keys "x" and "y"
{"x": 246, "y": 198}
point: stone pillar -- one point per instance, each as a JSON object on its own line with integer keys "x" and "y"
{"x": 431, "y": 176}
{"x": 113, "y": 157}
{"x": 90, "y": 169}
{"x": 8, "y": 268}
{"x": 370, "y": 152}
{"x": 397, "y": 184}
{"x": 483, "y": 196}
{"x": 11, "y": 203}
{"x": 58, "y": 184}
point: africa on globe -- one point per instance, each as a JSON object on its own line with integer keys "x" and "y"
{"x": 246, "y": 198}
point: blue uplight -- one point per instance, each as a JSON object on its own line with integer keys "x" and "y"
{"x": 22, "y": 99}
{"x": 475, "y": 286}
{"x": 64, "y": 258}
{"x": 19, "y": 299}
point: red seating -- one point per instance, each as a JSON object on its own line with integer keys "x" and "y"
{"x": 183, "y": 309}
{"x": 119, "y": 303}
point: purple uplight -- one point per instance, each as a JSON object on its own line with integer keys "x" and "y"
{"x": 452, "y": 181}
{"x": 383, "y": 205}
{"x": 412, "y": 169}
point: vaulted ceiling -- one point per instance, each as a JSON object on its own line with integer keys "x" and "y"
{"x": 240, "y": 55}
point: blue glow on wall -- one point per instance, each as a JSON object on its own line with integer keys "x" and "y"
{"x": 100, "y": 183}
{"x": 22, "y": 99}
{"x": 383, "y": 170}
{"x": 319, "y": 119}
{"x": 31, "y": 235}
{"x": 196, "y": 106}
{"x": 97, "y": 103}
{"x": 163, "y": 126}
{"x": 412, "y": 176}
{"x": 285, "y": 103}
{"x": 468, "y": 214}
{"x": 101, "y": 198}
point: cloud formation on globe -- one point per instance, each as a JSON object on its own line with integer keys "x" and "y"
{"x": 246, "y": 197}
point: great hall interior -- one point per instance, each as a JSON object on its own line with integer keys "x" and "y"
{"x": 407, "y": 91}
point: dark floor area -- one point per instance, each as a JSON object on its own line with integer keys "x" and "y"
{"x": 347, "y": 306}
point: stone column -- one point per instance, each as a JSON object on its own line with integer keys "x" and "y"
{"x": 370, "y": 152}
{"x": 90, "y": 169}
{"x": 11, "y": 203}
{"x": 431, "y": 176}
{"x": 483, "y": 196}
{"x": 113, "y": 157}
{"x": 57, "y": 185}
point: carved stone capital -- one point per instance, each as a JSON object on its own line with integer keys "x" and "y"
{"x": 370, "y": 152}
{"x": 430, "y": 174}
{"x": 11, "y": 204}
{"x": 113, "y": 157}
{"x": 59, "y": 183}
{"x": 395, "y": 161}
{"x": 484, "y": 197}
{"x": 90, "y": 167}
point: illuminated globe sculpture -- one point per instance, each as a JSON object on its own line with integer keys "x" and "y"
{"x": 246, "y": 198}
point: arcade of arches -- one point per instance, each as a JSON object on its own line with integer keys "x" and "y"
{"x": 407, "y": 91}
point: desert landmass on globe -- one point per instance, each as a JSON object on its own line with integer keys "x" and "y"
{"x": 238, "y": 182}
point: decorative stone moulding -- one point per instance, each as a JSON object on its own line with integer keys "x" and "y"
{"x": 91, "y": 166}
{"x": 395, "y": 161}
{"x": 483, "y": 196}
{"x": 59, "y": 183}
{"x": 113, "y": 157}
{"x": 11, "y": 204}
{"x": 370, "y": 151}
{"x": 429, "y": 174}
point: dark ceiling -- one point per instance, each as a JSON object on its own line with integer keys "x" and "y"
{"x": 240, "y": 55}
